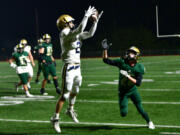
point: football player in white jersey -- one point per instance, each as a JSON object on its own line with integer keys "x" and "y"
{"x": 71, "y": 41}
{"x": 30, "y": 60}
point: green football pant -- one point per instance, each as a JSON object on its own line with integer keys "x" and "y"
{"x": 39, "y": 68}
{"x": 48, "y": 69}
{"x": 24, "y": 78}
{"x": 136, "y": 99}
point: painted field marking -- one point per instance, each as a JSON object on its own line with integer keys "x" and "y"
{"x": 91, "y": 123}
{"x": 169, "y": 133}
{"x": 47, "y": 98}
{"x": 8, "y": 103}
{"x": 115, "y": 102}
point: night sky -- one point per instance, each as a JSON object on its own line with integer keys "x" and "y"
{"x": 18, "y": 18}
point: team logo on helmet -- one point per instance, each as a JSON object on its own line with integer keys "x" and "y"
{"x": 20, "y": 48}
{"x": 23, "y": 41}
{"x": 132, "y": 53}
{"x": 46, "y": 36}
{"x": 63, "y": 20}
{"x": 40, "y": 41}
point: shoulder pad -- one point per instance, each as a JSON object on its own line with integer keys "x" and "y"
{"x": 65, "y": 31}
{"x": 141, "y": 68}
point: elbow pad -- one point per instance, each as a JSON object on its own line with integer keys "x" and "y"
{"x": 138, "y": 80}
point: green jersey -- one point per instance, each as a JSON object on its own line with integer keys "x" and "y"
{"x": 47, "y": 52}
{"x": 20, "y": 58}
{"x": 125, "y": 84}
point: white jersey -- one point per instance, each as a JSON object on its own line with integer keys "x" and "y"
{"x": 70, "y": 49}
{"x": 71, "y": 41}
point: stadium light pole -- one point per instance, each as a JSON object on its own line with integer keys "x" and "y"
{"x": 37, "y": 24}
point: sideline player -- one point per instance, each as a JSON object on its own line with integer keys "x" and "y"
{"x": 27, "y": 48}
{"x": 21, "y": 59}
{"x": 48, "y": 63}
{"x": 71, "y": 42}
{"x": 130, "y": 75}
{"x": 36, "y": 50}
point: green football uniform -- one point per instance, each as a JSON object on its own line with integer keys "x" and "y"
{"x": 125, "y": 85}
{"x": 127, "y": 89}
{"x": 48, "y": 67}
{"x": 21, "y": 62}
{"x": 36, "y": 49}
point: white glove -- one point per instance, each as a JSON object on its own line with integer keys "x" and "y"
{"x": 13, "y": 65}
{"x": 99, "y": 16}
{"x": 124, "y": 73}
{"x": 90, "y": 11}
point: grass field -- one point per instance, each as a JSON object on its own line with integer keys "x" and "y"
{"x": 97, "y": 102}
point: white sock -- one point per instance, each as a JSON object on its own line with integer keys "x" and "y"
{"x": 57, "y": 115}
{"x": 27, "y": 92}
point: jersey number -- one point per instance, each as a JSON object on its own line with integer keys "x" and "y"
{"x": 78, "y": 50}
{"x": 23, "y": 61}
{"x": 49, "y": 51}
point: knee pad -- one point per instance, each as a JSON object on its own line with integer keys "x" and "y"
{"x": 77, "y": 84}
{"x": 69, "y": 86}
{"x": 78, "y": 81}
{"x": 66, "y": 95}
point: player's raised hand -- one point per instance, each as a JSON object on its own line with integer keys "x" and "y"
{"x": 105, "y": 45}
{"x": 124, "y": 73}
{"x": 90, "y": 11}
{"x": 99, "y": 16}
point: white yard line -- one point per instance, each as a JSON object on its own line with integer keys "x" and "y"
{"x": 105, "y": 89}
{"x": 169, "y": 133}
{"x": 91, "y": 123}
{"x": 102, "y": 101}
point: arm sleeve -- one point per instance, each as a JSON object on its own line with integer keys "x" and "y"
{"x": 111, "y": 62}
{"x": 138, "y": 78}
{"x": 90, "y": 33}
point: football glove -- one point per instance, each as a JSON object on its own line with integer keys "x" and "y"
{"x": 90, "y": 11}
{"x": 99, "y": 16}
{"x": 105, "y": 45}
{"x": 13, "y": 65}
{"x": 54, "y": 63}
{"x": 124, "y": 73}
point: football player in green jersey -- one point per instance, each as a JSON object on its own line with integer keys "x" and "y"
{"x": 36, "y": 50}
{"x": 48, "y": 63}
{"x": 21, "y": 59}
{"x": 130, "y": 75}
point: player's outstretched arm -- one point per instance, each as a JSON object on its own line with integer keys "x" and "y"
{"x": 82, "y": 25}
{"x": 90, "y": 33}
{"x": 106, "y": 60}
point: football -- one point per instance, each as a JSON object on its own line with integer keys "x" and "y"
{"x": 95, "y": 16}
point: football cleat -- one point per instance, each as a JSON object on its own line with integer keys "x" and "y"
{"x": 55, "y": 122}
{"x": 42, "y": 91}
{"x": 37, "y": 81}
{"x": 151, "y": 125}
{"x": 28, "y": 95}
{"x": 71, "y": 113}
